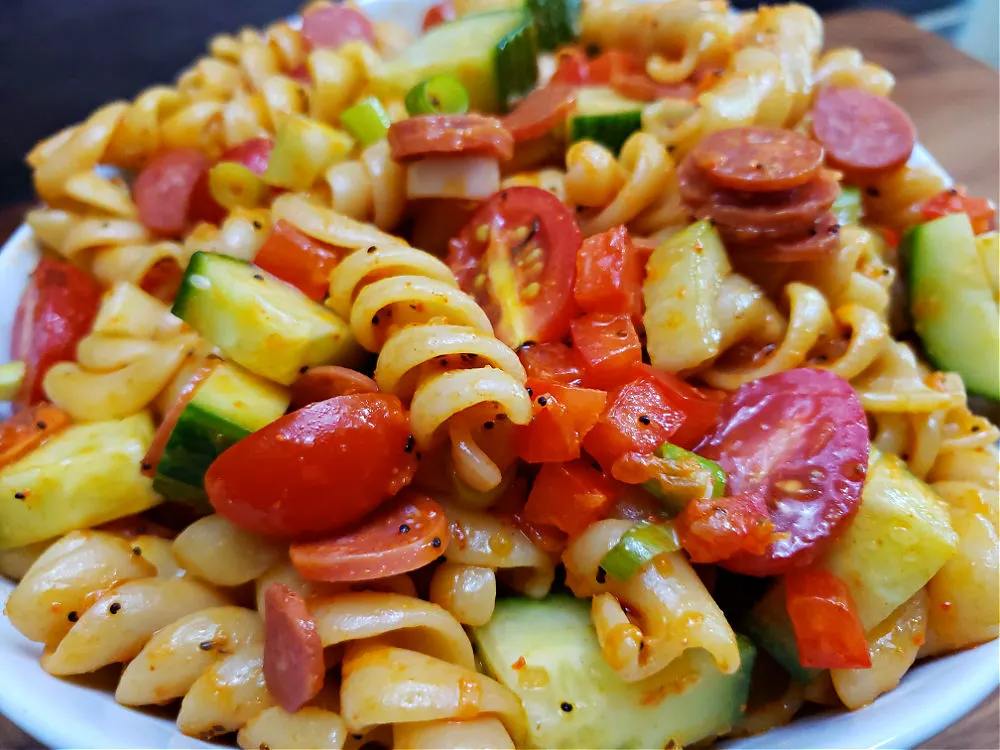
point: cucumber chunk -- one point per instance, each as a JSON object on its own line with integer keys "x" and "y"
{"x": 84, "y": 476}
{"x": 493, "y": 55}
{"x": 547, "y": 652}
{"x": 557, "y": 22}
{"x": 228, "y": 406}
{"x": 605, "y": 117}
{"x": 953, "y": 303}
{"x": 259, "y": 321}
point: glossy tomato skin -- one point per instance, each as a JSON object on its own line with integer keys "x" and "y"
{"x": 28, "y": 429}
{"x": 569, "y": 496}
{"x": 981, "y": 213}
{"x": 609, "y": 347}
{"x": 317, "y": 470}
{"x": 517, "y": 258}
{"x": 828, "y": 630}
{"x": 56, "y": 310}
{"x": 609, "y": 273}
{"x": 298, "y": 259}
{"x": 562, "y": 416}
{"x": 700, "y": 407}
{"x": 555, "y": 361}
{"x": 799, "y": 438}
{"x": 439, "y": 14}
{"x": 638, "y": 418}
{"x": 572, "y": 66}
{"x": 714, "y": 529}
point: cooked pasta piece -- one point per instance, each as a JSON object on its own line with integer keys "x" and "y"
{"x": 216, "y": 551}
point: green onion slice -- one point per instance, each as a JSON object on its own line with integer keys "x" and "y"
{"x": 439, "y": 95}
{"x": 638, "y": 546}
{"x": 683, "y": 476}
{"x": 848, "y": 207}
{"x": 367, "y": 121}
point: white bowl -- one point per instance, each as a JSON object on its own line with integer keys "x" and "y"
{"x": 83, "y": 713}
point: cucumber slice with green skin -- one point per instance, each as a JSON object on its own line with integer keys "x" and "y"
{"x": 953, "y": 304}
{"x": 848, "y": 206}
{"x": 547, "y": 652}
{"x": 605, "y": 117}
{"x": 84, "y": 476}
{"x": 900, "y": 537}
{"x": 259, "y": 321}
{"x": 557, "y": 22}
{"x": 493, "y": 55}
{"x": 228, "y": 406}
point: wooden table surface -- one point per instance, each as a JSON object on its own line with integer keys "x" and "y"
{"x": 955, "y": 102}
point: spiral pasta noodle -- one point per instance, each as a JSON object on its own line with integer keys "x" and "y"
{"x": 436, "y": 349}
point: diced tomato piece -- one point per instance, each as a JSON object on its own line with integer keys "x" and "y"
{"x": 438, "y": 14}
{"x": 609, "y": 347}
{"x": 562, "y": 418}
{"x": 28, "y": 429}
{"x": 700, "y": 407}
{"x": 828, "y": 631}
{"x": 954, "y": 201}
{"x": 569, "y": 496}
{"x": 609, "y": 273}
{"x": 613, "y": 63}
{"x": 891, "y": 237}
{"x": 298, "y": 259}
{"x": 555, "y": 362}
{"x": 639, "y": 417}
{"x": 56, "y": 310}
{"x": 571, "y": 66}
{"x": 714, "y": 529}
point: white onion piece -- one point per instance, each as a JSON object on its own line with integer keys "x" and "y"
{"x": 453, "y": 177}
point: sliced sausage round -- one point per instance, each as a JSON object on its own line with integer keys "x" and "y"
{"x": 758, "y": 159}
{"x": 818, "y": 242}
{"x": 293, "y": 652}
{"x": 776, "y": 213}
{"x": 862, "y": 132}
{"x": 328, "y": 381}
{"x": 164, "y": 188}
{"x": 335, "y": 25}
{"x": 540, "y": 111}
{"x": 450, "y": 135}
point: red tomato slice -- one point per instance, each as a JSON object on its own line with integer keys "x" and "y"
{"x": 328, "y": 381}
{"x": 293, "y": 651}
{"x": 162, "y": 436}
{"x": 700, "y": 407}
{"x": 799, "y": 438}
{"x": 609, "y": 347}
{"x": 612, "y": 64}
{"x": 540, "y": 111}
{"x": 571, "y": 66}
{"x": 569, "y": 496}
{"x": 609, "y": 274}
{"x": 317, "y": 470}
{"x": 555, "y": 362}
{"x": 28, "y": 429}
{"x": 714, "y": 529}
{"x": 165, "y": 191}
{"x": 298, "y": 259}
{"x": 335, "y": 25}
{"x": 253, "y": 154}
{"x": 56, "y": 310}
{"x": 980, "y": 211}
{"x": 406, "y": 534}
{"x": 562, "y": 418}
{"x": 517, "y": 257}
{"x": 639, "y": 417}
{"x": 438, "y": 14}
{"x": 828, "y": 631}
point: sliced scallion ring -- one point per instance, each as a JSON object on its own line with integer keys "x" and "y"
{"x": 638, "y": 546}
{"x": 439, "y": 95}
{"x": 367, "y": 121}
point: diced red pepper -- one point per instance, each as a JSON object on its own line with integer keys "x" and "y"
{"x": 714, "y": 529}
{"x": 571, "y": 66}
{"x": 28, "y": 429}
{"x": 609, "y": 347}
{"x": 569, "y": 496}
{"x": 828, "y": 631}
{"x": 981, "y": 213}
{"x": 562, "y": 418}
{"x": 609, "y": 271}
{"x": 297, "y": 259}
{"x": 700, "y": 407}
{"x": 552, "y": 361}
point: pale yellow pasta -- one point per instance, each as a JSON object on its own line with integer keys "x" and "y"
{"x": 895, "y": 199}
{"x": 240, "y": 235}
{"x": 666, "y": 598}
{"x": 308, "y": 728}
{"x": 846, "y": 67}
{"x": 159, "y": 552}
{"x": 486, "y": 733}
{"x": 329, "y": 226}
{"x": 468, "y": 592}
{"x": 340, "y": 77}
{"x": 645, "y": 28}
{"x": 216, "y": 551}
{"x": 893, "y": 647}
{"x": 179, "y": 653}
{"x": 16, "y": 561}
{"x": 369, "y": 188}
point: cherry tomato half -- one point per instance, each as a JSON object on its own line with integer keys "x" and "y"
{"x": 800, "y": 438}
{"x": 406, "y": 534}
{"x": 317, "y": 470}
{"x": 517, "y": 257}
{"x": 56, "y": 310}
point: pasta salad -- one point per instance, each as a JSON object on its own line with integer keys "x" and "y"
{"x": 576, "y": 373}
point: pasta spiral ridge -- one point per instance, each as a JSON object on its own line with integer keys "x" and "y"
{"x": 436, "y": 349}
